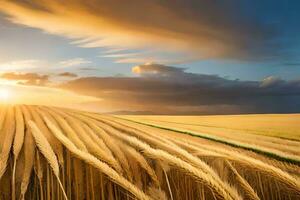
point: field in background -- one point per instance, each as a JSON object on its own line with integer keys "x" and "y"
{"x": 54, "y": 153}
{"x": 277, "y": 125}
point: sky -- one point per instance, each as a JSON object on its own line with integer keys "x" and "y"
{"x": 163, "y": 57}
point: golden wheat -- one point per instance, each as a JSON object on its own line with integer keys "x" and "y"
{"x": 29, "y": 151}
{"x": 46, "y": 150}
{"x": 167, "y": 145}
{"x": 175, "y": 161}
{"x": 55, "y": 144}
{"x": 90, "y": 144}
{"x": 143, "y": 163}
{"x": 96, "y": 163}
{"x": 118, "y": 153}
{"x": 54, "y": 153}
{"x": 8, "y": 134}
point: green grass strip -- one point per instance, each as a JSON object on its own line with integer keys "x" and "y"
{"x": 221, "y": 140}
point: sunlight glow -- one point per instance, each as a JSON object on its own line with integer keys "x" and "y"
{"x": 23, "y": 94}
{"x": 4, "y": 94}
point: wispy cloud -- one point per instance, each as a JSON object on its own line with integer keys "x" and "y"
{"x": 122, "y": 55}
{"x": 138, "y": 60}
{"x": 87, "y": 69}
{"x": 74, "y": 62}
{"x": 202, "y": 28}
{"x": 19, "y": 65}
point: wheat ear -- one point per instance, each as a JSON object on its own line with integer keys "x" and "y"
{"x": 2, "y": 117}
{"x": 17, "y": 145}
{"x": 91, "y": 145}
{"x": 56, "y": 146}
{"x": 9, "y": 129}
{"x": 70, "y": 132}
{"x": 47, "y": 151}
{"x": 110, "y": 142}
{"x": 244, "y": 184}
{"x": 29, "y": 152}
{"x": 143, "y": 163}
{"x": 175, "y": 161}
{"x": 257, "y": 164}
{"x": 170, "y": 147}
{"x": 90, "y": 159}
{"x": 167, "y": 145}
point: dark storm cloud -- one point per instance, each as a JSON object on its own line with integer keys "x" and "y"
{"x": 169, "y": 89}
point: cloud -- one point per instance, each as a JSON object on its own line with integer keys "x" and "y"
{"x": 87, "y": 68}
{"x": 271, "y": 81}
{"x": 26, "y": 78}
{"x": 291, "y": 64}
{"x": 171, "y": 90}
{"x": 199, "y": 29}
{"x": 20, "y": 65}
{"x": 156, "y": 69}
{"x": 74, "y": 62}
{"x": 68, "y": 74}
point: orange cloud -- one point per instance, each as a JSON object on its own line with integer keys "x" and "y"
{"x": 156, "y": 69}
{"x": 68, "y": 75}
{"x": 199, "y": 29}
{"x": 26, "y": 78}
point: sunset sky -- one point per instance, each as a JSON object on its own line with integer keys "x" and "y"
{"x": 164, "y": 57}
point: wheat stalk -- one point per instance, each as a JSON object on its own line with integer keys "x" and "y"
{"x": 175, "y": 161}
{"x": 263, "y": 167}
{"x": 88, "y": 158}
{"x": 91, "y": 145}
{"x": 92, "y": 156}
{"x": 9, "y": 132}
{"x": 2, "y": 118}
{"x": 47, "y": 151}
{"x": 70, "y": 132}
{"x": 98, "y": 141}
{"x": 38, "y": 168}
{"x": 244, "y": 184}
{"x": 143, "y": 163}
{"x": 168, "y": 146}
{"x": 29, "y": 151}
{"x": 56, "y": 146}
{"x": 17, "y": 145}
{"x": 110, "y": 142}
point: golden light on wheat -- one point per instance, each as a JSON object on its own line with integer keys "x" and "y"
{"x": 54, "y": 153}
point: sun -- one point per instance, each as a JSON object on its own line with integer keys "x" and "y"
{"x": 5, "y": 94}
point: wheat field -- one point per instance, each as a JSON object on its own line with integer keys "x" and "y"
{"x": 55, "y": 153}
{"x": 278, "y": 125}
